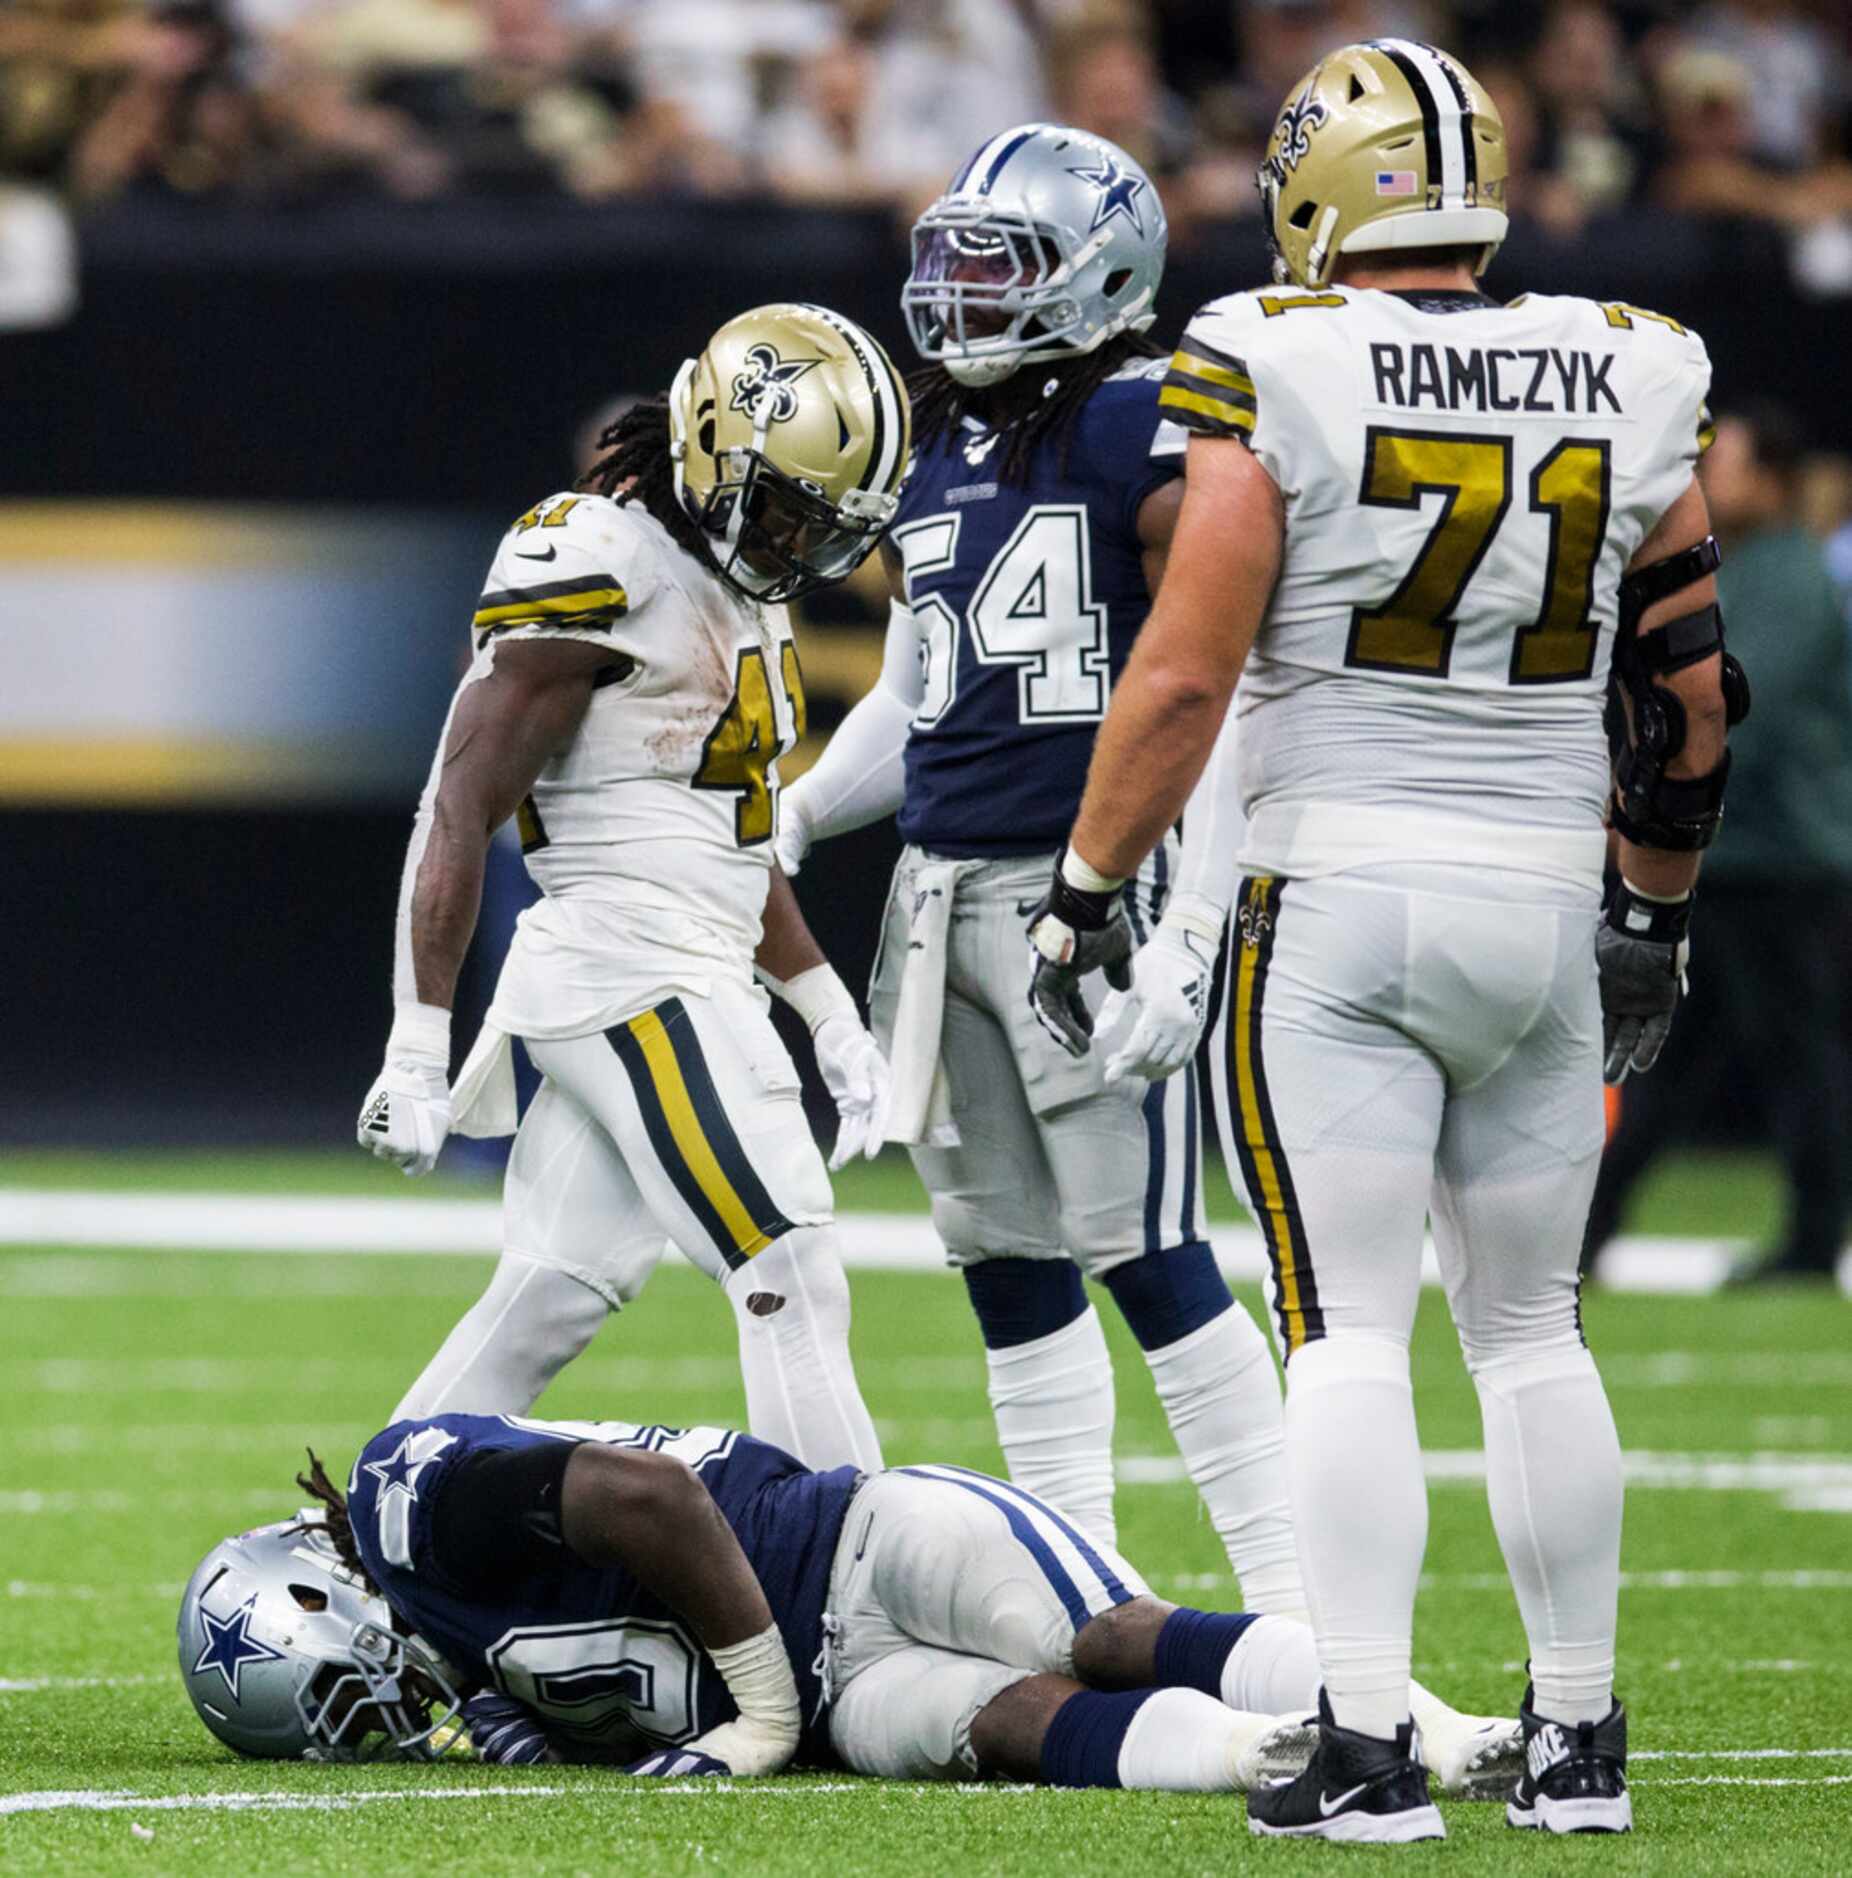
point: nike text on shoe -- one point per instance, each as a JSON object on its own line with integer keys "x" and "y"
{"x": 1575, "y": 1776}
{"x": 1355, "y": 1790}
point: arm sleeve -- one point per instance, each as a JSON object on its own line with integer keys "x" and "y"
{"x": 861, "y": 776}
{"x": 1208, "y": 869}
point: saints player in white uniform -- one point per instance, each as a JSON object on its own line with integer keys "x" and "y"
{"x": 1432, "y": 526}
{"x": 634, "y": 685}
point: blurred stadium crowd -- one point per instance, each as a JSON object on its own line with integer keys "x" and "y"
{"x": 1738, "y": 107}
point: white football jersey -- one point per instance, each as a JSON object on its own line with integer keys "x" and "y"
{"x": 1464, "y": 483}
{"x": 650, "y": 835}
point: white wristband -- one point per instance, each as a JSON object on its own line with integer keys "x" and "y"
{"x": 1656, "y": 899}
{"x": 759, "y": 1679}
{"x": 1085, "y": 879}
{"x": 420, "y": 1035}
{"x": 1194, "y": 913}
{"x": 815, "y": 995}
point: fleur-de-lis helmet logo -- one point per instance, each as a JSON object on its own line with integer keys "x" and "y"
{"x": 766, "y": 371}
{"x": 1302, "y": 115}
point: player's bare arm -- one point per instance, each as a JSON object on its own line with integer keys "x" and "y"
{"x": 788, "y": 948}
{"x": 505, "y": 729}
{"x": 1168, "y": 707}
{"x": 1157, "y": 528}
{"x": 648, "y": 1514}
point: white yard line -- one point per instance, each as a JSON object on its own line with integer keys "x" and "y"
{"x": 220, "y": 1222}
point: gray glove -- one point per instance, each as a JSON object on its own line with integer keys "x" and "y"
{"x": 1074, "y": 932}
{"x": 1641, "y": 950}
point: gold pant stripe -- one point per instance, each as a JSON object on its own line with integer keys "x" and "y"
{"x": 690, "y": 1138}
{"x": 1276, "y": 1215}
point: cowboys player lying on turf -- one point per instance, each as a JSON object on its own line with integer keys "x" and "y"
{"x": 635, "y": 682}
{"x": 694, "y": 1601}
{"x": 1031, "y": 533}
{"x": 1426, "y": 530}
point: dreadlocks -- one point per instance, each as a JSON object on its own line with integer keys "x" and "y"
{"x": 636, "y": 467}
{"x": 335, "y": 1522}
{"x": 940, "y": 402}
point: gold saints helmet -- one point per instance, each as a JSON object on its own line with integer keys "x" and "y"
{"x": 1388, "y": 144}
{"x": 789, "y": 436}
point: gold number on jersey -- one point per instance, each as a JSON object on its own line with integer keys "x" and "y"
{"x": 1570, "y": 486}
{"x": 1620, "y": 314}
{"x": 740, "y": 748}
{"x": 544, "y": 515}
{"x": 529, "y": 826}
{"x": 1413, "y": 630}
{"x": 794, "y": 689}
{"x": 1273, "y": 304}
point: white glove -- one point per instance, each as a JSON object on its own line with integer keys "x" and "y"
{"x": 764, "y": 1736}
{"x": 857, "y": 1077}
{"x": 1169, "y": 999}
{"x": 407, "y": 1111}
{"x": 791, "y": 844}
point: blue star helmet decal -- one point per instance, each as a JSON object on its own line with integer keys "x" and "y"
{"x": 1118, "y": 192}
{"x": 398, "y": 1472}
{"x": 230, "y": 1645}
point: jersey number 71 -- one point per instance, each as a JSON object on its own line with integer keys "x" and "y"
{"x": 1412, "y": 631}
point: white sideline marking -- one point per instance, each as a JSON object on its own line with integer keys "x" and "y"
{"x": 120, "y": 1800}
{"x": 1752, "y": 1780}
{"x": 43, "y": 1685}
{"x": 221, "y": 1222}
{"x": 1805, "y": 1580}
{"x": 1807, "y": 1483}
{"x": 1742, "y": 1754}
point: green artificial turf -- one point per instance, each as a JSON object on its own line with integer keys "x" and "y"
{"x": 151, "y": 1402}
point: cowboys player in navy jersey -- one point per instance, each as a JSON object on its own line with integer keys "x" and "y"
{"x": 703, "y": 1601}
{"x": 1030, "y": 538}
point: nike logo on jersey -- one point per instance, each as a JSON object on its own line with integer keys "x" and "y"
{"x": 1327, "y": 1805}
{"x": 1494, "y": 378}
{"x": 550, "y": 555}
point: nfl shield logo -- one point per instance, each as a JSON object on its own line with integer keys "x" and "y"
{"x": 1395, "y": 182}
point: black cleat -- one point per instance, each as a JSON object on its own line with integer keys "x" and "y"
{"x": 1355, "y": 1790}
{"x": 1575, "y": 1778}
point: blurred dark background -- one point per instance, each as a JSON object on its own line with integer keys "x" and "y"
{"x": 302, "y": 300}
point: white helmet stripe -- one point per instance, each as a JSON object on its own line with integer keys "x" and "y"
{"x": 890, "y": 402}
{"x": 1441, "y": 107}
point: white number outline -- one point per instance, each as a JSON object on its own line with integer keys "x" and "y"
{"x": 1095, "y": 658}
{"x": 933, "y": 615}
{"x": 512, "y": 1661}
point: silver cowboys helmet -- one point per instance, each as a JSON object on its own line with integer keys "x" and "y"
{"x": 288, "y": 1656}
{"x": 1049, "y": 242}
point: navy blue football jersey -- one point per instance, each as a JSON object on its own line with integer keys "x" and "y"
{"x": 1027, "y": 597}
{"x": 611, "y": 1670}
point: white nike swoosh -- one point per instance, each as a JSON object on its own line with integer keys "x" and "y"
{"x": 1327, "y": 1806}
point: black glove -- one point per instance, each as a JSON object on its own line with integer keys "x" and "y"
{"x": 504, "y": 1732}
{"x": 1640, "y": 954}
{"x": 677, "y": 1763}
{"x": 1071, "y": 934}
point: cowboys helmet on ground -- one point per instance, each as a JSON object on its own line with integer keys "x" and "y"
{"x": 789, "y": 436}
{"x": 1384, "y": 145}
{"x": 1049, "y": 242}
{"x": 287, "y": 1655}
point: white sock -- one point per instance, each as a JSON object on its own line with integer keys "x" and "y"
{"x": 1221, "y": 1394}
{"x": 1553, "y": 1475}
{"x": 1053, "y": 1399}
{"x": 1182, "y": 1741}
{"x": 1273, "y": 1669}
{"x": 791, "y": 1303}
{"x": 530, "y": 1323}
{"x": 1361, "y": 1508}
